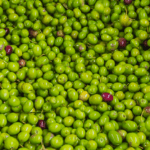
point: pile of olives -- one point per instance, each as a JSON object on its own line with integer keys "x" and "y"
{"x": 74, "y": 75}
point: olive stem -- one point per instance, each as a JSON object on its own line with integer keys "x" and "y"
{"x": 43, "y": 147}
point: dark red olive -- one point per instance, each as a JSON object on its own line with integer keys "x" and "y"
{"x": 22, "y": 62}
{"x": 127, "y": 2}
{"x": 32, "y": 33}
{"x": 42, "y": 124}
{"x": 107, "y": 97}
{"x": 122, "y": 42}
{"x": 7, "y": 31}
{"x": 8, "y": 49}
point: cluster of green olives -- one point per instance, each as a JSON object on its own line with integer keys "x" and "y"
{"x": 74, "y": 75}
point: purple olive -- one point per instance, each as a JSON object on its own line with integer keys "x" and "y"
{"x": 122, "y": 42}
{"x": 42, "y": 124}
{"x": 8, "y": 49}
{"x": 7, "y": 31}
{"x": 107, "y": 97}
{"x": 127, "y": 2}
